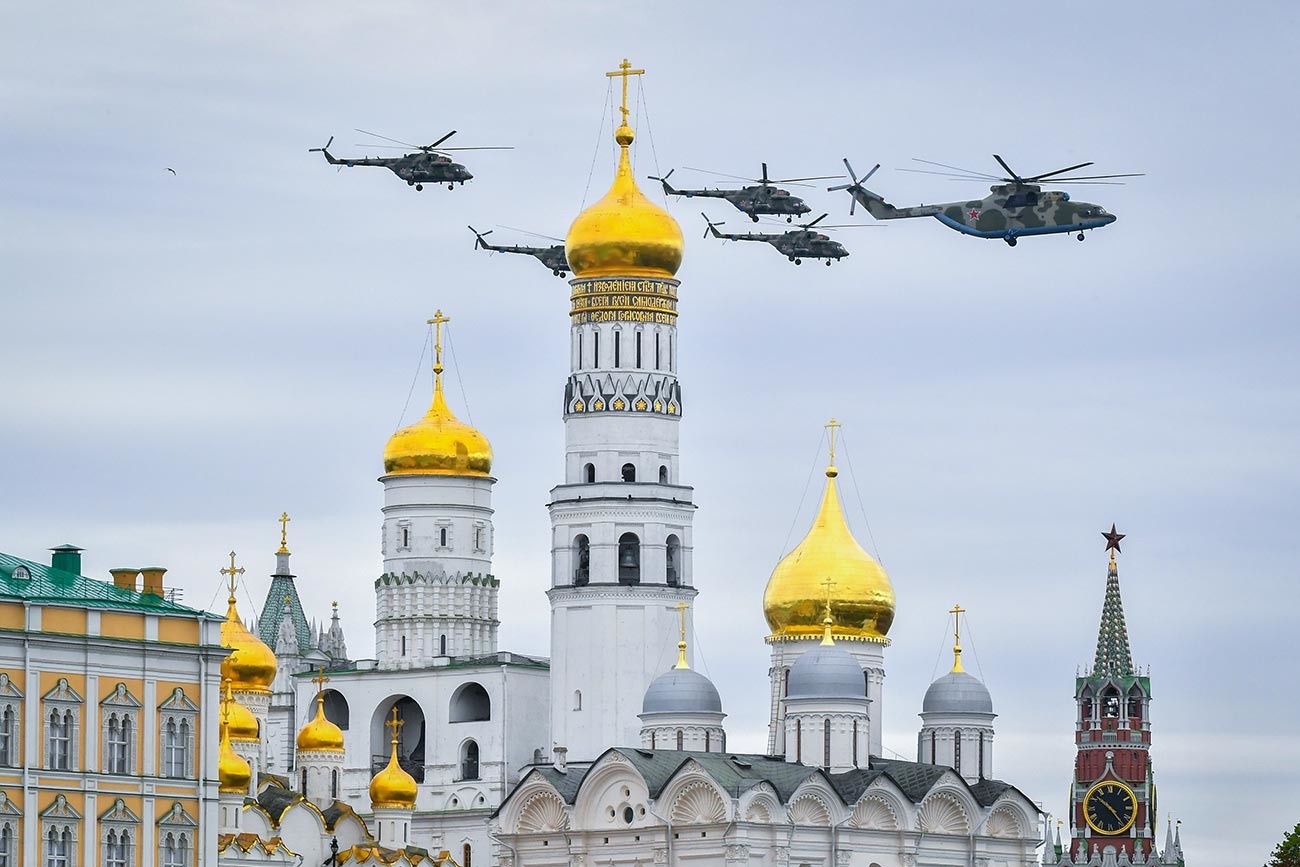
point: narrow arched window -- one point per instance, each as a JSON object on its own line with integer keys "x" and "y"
{"x": 579, "y": 349}
{"x": 663, "y": 475}
{"x": 855, "y": 743}
{"x": 681, "y": 738}
{"x": 466, "y": 853}
{"x": 403, "y": 645}
{"x": 656, "y": 350}
{"x": 334, "y": 784}
{"x": 442, "y": 645}
{"x": 406, "y": 537}
{"x": 672, "y": 557}
{"x": 595, "y": 348}
{"x": 618, "y": 348}
{"x": 581, "y": 560}
{"x": 629, "y": 559}
{"x": 589, "y": 473}
{"x": 469, "y": 761}
{"x": 577, "y": 699}
{"x": 934, "y": 745}
{"x": 981, "y": 768}
{"x": 826, "y": 743}
{"x": 442, "y": 536}
{"x": 629, "y": 472}
{"x": 956, "y": 750}
{"x": 866, "y": 683}
{"x": 652, "y": 740}
{"x": 638, "y": 349}
{"x": 785, "y": 682}
{"x": 304, "y": 781}
{"x": 798, "y": 740}
{"x": 708, "y": 741}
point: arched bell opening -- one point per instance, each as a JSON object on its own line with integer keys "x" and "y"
{"x": 629, "y": 559}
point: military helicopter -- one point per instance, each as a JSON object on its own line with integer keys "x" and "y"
{"x": 796, "y": 244}
{"x": 552, "y": 257}
{"x": 763, "y": 199}
{"x": 431, "y": 165}
{"x": 1018, "y": 205}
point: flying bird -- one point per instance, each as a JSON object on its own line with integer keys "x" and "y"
{"x": 172, "y": 170}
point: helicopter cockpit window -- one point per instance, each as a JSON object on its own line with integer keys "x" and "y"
{"x": 1027, "y": 199}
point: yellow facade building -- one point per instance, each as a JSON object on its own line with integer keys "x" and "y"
{"x": 108, "y": 695}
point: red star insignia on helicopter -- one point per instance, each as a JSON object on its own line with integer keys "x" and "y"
{"x": 974, "y": 214}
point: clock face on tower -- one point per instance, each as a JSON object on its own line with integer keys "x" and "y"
{"x": 1110, "y": 807}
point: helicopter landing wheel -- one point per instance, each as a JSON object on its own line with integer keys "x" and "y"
{"x": 828, "y": 263}
{"x": 451, "y": 186}
{"x": 556, "y": 273}
{"x": 1011, "y": 240}
{"x": 789, "y": 219}
{"x": 419, "y": 187}
{"x": 798, "y": 261}
{"x": 754, "y": 217}
{"x": 1080, "y": 236}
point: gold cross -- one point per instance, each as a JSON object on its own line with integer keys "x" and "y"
{"x": 320, "y": 679}
{"x": 284, "y": 533}
{"x": 624, "y": 70}
{"x": 437, "y": 322}
{"x": 395, "y": 724}
{"x": 681, "y": 640}
{"x": 833, "y": 426}
{"x": 233, "y": 572}
{"x": 828, "y": 584}
{"x": 956, "y": 611}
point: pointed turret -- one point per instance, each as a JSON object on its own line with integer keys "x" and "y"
{"x": 1114, "y": 659}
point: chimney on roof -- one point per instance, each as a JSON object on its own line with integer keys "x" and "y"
{"x": 153, "y": 580}
{"x": 66, "y": 558}
{"x": 560, "y": 758}
{"x": 124, "y": 578}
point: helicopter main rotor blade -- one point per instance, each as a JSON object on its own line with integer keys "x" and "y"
{"x": 951, "y": 175}
{"x": 534, "y": 234}
{"x": 357, "y": 144}
{"x": 440, "y": 141}
{"x": 385, "y": 138}
{"x": 957, "y": 168}
{"x": 1008, "y": 169}
{"x": 723, "y": 175}
{"x": 492, "y": 148}
{"x": 815, "y": 222}
{"x": 1099, "y": 177}
{"x": 813, "y": 178}
{"x": 1057, "y": 172}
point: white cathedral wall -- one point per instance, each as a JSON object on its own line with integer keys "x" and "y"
{"x": 423, "y": 505}
{"x": 870, "y": 655}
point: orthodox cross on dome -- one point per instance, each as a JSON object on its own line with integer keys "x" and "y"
{"x": 233, "y": 574}
{"x": 624, "y": 70}
{"x": 956, "y": 611}
{"x": 828, "y": 621}
{"x": 320, "y": 679}
{"x": 284, "y": 533}
{"x": 681, "y": 640}
{"x": 437, "y": 322}
{"x": 395, "y": 723}
{"x": 833, "y": 426}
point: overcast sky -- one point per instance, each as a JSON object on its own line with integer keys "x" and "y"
{"x": 185, "y": 356}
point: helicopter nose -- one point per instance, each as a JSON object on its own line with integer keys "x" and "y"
{"x": 465, "y": 174}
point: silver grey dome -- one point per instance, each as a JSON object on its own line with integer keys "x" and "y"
{"x": 681, "y": 690}
{"x": 826, "y": 671}
{"x": 957, "y": 692}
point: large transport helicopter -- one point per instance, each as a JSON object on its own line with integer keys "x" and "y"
{"x": 796, "y": 244}
{"x": 552, "y": 257}
{"x": 1018, "y": 205}
{"x": 429, "y": 165}
{"x": 761, "y": 198}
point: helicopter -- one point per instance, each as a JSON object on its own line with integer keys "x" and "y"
{"x": 1018, "y": 205}
{"x": 765, "y": 199}
{"x": 796, "y": 244}
{"x": 552, "y": 257}
{"x": 431, "y": 165}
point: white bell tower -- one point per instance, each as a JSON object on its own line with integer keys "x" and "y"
{"x": 621, "y": 520}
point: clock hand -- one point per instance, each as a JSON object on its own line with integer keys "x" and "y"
{"x": 1113, "y": 812}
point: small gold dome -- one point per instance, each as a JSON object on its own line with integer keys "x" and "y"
{"x": 393, "y": 787}
{"x": 243, "y": 725}
{"x": 251, "y": 664}
{"x": 438, "y": 444}
{"x": 321, "y": 734}
{"x": 624, "y": 234}
{"x": 233, "y": 772}
{"x": 861, "y": 595}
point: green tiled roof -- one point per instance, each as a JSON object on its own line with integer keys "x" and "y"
{"x": 49, "y": 585}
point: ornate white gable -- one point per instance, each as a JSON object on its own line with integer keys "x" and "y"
{"x": 63, "y": 692}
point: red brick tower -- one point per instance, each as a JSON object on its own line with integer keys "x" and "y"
{"x": 1113, "y": 795}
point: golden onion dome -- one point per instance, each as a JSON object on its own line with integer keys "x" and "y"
{"x": 438, "y": 444}
{"x": 233, "y": 772}
{"x": 624, "y": 234}
{"x": 393, "y": 787}
{"x": 251, "y": 664}
{"x": 242, "y": 725}
{"x": 860, "y": 594}
{"x": 320, "y": 734}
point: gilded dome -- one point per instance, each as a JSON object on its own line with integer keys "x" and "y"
{"x": 861, "y": 595}
{"x": 624, "y": 234}
{"x": 320, "y": 733}
{"x": 241, "y": 724}
{"x": 393, "y": 787}
{"x": 233, "y": 772}
{"x": 438, "y": 444}
{"x": 251, "y": 664}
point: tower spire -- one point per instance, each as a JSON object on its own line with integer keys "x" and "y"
{"x": 1113, "y": 655}
{"x": 956, "y": 611}
{"x": 284, "y": 533}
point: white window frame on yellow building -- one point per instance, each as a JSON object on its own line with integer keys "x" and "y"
{"x": 120, "y": 706}
{"x": 113, "y": 823}
{"x": 178, "y": 709}
{"x": 180, "y": 827}
{"x": 64, "y": 820}
{"x": 11, "y": 741}
{"x": 68, "y": 702}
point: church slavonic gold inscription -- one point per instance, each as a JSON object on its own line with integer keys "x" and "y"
{"x": 616, "y": 299}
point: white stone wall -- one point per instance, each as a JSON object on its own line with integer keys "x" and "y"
{"x": 805, "y": 733}
{"x": 944, "y": 727}
{"x": 702, "y": 732}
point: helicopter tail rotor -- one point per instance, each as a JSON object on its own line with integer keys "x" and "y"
{"x": 710, "y": 227}
{"x": 478, "y": 238}
{"x": 856, "y": 186}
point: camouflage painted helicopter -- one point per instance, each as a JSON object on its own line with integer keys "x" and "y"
{"x": 552, "y": 257}
{"x": 796, "y": 244}
{"x": 763, "y": 199}
{"x": 431, "y": 165}
{"x": 1018, "y": 205}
